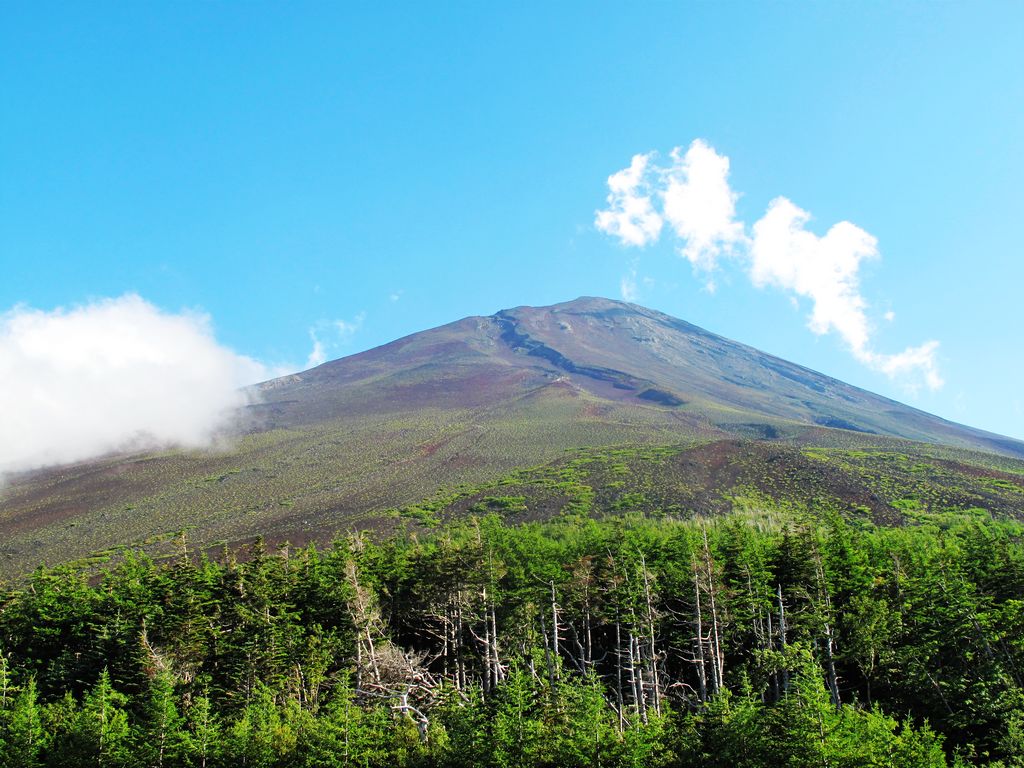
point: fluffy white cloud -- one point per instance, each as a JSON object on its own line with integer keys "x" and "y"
{"x": 113, "y": 374}
{"x": 824, "y": 269}
{"x": 783, "y": 253}
{"x": 630, "y": 215}
{"x": 692, "y": 195}
{"x": 700, "y": 206}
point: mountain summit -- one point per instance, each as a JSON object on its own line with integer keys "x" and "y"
{"x": 610, "y": 357}
{"x": 340, "y": 445}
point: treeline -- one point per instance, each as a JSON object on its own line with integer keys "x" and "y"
{"x": 744, "y": 640}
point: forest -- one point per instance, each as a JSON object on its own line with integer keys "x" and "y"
{"x": 757, "y": 638}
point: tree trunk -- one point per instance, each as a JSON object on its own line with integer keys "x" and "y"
{"x": 782, "y": 639}
{"x": 698, "y": 622}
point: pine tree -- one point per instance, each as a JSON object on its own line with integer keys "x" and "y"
{"x": 162, "y": 738}
{"x": 518, "y": 734}
{"x": 23, "y": 739}
{"x": 202, "y": 740}
{"x": 97, "y": 732}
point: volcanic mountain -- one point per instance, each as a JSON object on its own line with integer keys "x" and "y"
{"x": 346, "y": 443}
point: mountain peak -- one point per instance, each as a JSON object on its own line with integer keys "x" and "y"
{"x": 581, "y": 304}
{"x": 615, "y": 355}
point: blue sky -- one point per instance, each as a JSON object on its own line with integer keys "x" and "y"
{"x": 360, "y": 172}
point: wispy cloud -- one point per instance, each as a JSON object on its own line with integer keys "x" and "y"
{"x": 692, "y": 195}
{"x": 632, "y": 285}
{"x": 330, "y": 337}
{"x": 318, "y": 354}
{"x": 920, "y": 361}
{"x": 76, "y": 383}
{"x": 627, "y": 286}
{"x": 348, "y": 328}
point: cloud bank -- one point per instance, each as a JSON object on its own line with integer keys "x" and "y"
{"x": 113, "y": 374}
{"x": 691, "y": 197}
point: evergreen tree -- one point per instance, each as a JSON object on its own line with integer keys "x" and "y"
{"x": 161, "y": 737}
{"x": 22, "y": 737}
{"x": 202, "y": 742}
{"x": 97, "y": 732}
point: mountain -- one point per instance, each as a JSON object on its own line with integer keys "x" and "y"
{"x": 465, "y": 404}
{"x": 615, "y": 355}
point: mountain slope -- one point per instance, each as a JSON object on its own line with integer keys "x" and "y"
{"x": 621, "y": 353}
{"x": 464, "y": 403}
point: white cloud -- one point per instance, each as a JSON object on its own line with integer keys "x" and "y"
{"x": 630, "y": 215}
{"x": 700, "y": 206}
{"x": 318, "y": 354}
{"x": 823, "y": 269}
{"x": 330, "y": 337}
{"x": 112, "y": 374}
{"x": 628, "y": 288}
{"x": 693, "y": 196}
{"x": 913, "y": 361}
{"x": 348, "y": 328}
{"x": 785, "y": 254}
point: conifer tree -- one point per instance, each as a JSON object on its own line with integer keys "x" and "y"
{"x": 22, "y": 737}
